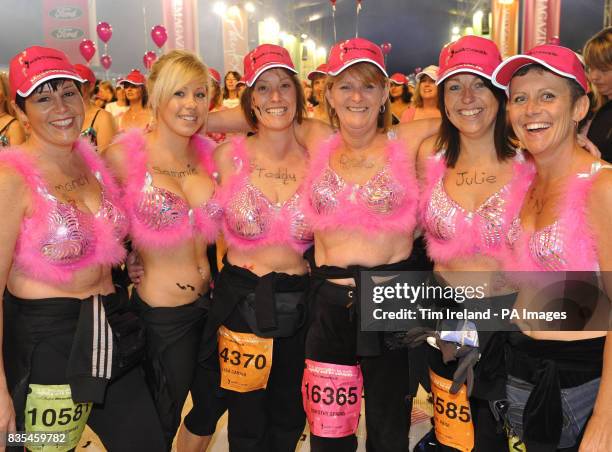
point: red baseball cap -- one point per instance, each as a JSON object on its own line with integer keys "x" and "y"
{"x": 135, "y": 77}
{"x": 264, "y": 57}
{"x": 85, "y": 73}
{"x": 214, "y": 74}
{"x": 352, "y": 51}
{"x": 399, "y": 79}
{"x": 321, "y": 69}
{"x": 560, "y": 60}
{"x": 37, "y": 65}
{"x": 472, "y": 54}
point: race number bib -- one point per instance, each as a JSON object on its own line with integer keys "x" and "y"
{"x": 452, "y": 415}
{"x": 331, "y": 394}
{"x": 50, "y": 409}
{"x": 245, "y": 360}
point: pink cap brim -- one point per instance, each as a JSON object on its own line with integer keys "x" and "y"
{"x": 504, "y": 72}
{"x": 264, "y": 68}
{"x": 459, "y": 70}
{"x": 52, "y": 76}
{"x": 311, "y": 74}
{"x": 358, "y": 60}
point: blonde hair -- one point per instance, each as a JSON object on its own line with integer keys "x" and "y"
{"x": 598, "y": 54}
{"x": 5, "y": 90}
{"x": 172, "y": 71}
{"x": 417, "y": 102}
{"x": 366, "y": 73}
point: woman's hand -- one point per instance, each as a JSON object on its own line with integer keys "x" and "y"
{"x": 135, "y": 267}
{"x": 7, "y": 416}
{"x": 598, "y": 435}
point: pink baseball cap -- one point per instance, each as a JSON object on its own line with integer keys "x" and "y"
{"x": 560, "y": 60}
{"x": 352, "y": 51}
{"x": 85, "y": 73}
{"x": 399, "y": 79}
{"x": 135, "y": 77}
{"x": 214, "y": 74}
{"x": 321, "y": 69}
{"x": 37, "y": 65}
{"x": 264, "y": 57}
{"x": 430, "y": 71}
{"x": 472, "y": 54}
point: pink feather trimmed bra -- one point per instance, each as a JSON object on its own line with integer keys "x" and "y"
{"x": 565, "y": 245}
{"x": 159, "y": 217}
{"x": 249, "y": 218}
{"x": 452, "y": 232}
{"x": 58, "y": 239}
{"x": 386, "y": 202}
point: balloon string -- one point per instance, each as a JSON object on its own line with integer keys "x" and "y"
{"x": 357, "y": 19}
{"x": 334, "y": 20}
{"x": 144, "y": 18}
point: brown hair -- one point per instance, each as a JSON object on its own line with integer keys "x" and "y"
{"x": 7, "y": 94}
{"x": 367, "y": 73}
{"x": 300, "y": 101}
{"x": 449, "y": 136}
{"x": 417, "y": 101}
{"x": 598, "y": 54}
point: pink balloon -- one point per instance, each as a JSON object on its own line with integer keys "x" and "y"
{"x": 87, "y": 49}
{"x": 149, "y": 58}
{"x": 105, "y": 31}
{"x": 159, "y": 35}
{"x": 106, "y": 61}
{"x": 386, "y": 48}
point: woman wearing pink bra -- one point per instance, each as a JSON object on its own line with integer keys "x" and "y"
{"x": 168, "y": 192}
{"x": 474, "y": 183}
{"x": 557, "y": 380}
{"x": 258, "y": 308}
{"x": 71, "y": 347}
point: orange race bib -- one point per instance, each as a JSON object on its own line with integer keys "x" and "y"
{"x": 452, "y": 415}
{"x": 245, "y": 360}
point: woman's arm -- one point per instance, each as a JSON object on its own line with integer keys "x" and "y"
{"x": 105, "y": 130}
{"x": 230, "y": 120}
{"x": 598, "y": 434}
{"x": 13, "y": 196}
{"x": 16, "y": 134}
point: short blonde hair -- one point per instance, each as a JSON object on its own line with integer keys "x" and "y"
{"x": 172, "y": 71}
{"x": 598, "y": 55}
{"x": 367, "y": 73}
{"x": 5, "y": 90}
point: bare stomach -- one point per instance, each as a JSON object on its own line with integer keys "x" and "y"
{"x": 85, "y": 283}
{"x": 174, "y": 277}
{"x": 267, "y": 259}
{"x": 345, "y": 248}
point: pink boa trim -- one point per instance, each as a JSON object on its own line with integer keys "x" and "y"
{"x": 468, "y": 237}
{"x": 356, "y": 215}
{"x": 107, "y": 251}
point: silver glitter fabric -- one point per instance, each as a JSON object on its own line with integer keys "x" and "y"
{"x": 546, "y": 247}
{"x": 159, "y": 208}
{"x": 301, "y": 230}
{"x": 72, "y": 235}
{"x": 442, "y": 213}
{"x": 380, "y": 194}
{"x": 111, "y": 213}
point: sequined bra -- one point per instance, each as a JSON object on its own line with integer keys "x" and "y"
{"x": 565, "y": 245}
{"x": 59, "y": 239}
{"x": 158, "y": 217}
{"x": 249, "y": 218}
{"x": 452, "y": 231}
{"x": 386, "y": 202}
{"x": 4, "y": 139}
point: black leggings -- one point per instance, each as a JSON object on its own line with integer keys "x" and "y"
{"x": 126, "y": 421}
{"x": 331, "y": 339}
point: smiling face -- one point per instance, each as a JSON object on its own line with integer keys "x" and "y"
{"x": 133, "y": 93}
{"x": 470, "y": 105}
{"x": 186, "y": 111}
{"x": 274, "y": 99}
{"x": 427, "y": 88}
{"x": 357, "y": 96}
{"x": 396, "y": 90}
{"x": 318, "y": 87}
{"x": 230, "y": 81}
{"x": 55, "y": 115}
{"x": 542, "y": 112}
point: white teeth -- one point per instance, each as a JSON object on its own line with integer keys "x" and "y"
{"x": 537, "y": 126}
{"x": 276, "y": 111}
{"x": 188, "y": 117}
{"x": 472, "y": 112}
{"x": 62, "y": 122}
{"x": 357, "y": 109}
